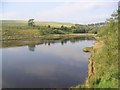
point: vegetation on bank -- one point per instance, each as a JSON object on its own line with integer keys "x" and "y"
{"x": 103, "y": 66}
{"x": 17, "y": 30}
{"x": 106, "y": 56}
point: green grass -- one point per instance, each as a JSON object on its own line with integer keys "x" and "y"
{"x": 19, "y": 34}
{"x": 54, "y": 24}
{"x": 11, "y": 23}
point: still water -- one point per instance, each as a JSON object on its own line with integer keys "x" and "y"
{"x": 55, "y": 64}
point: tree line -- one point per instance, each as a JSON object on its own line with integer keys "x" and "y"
{"x": 76, "y": 28}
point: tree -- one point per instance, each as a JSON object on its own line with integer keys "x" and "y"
{"x": 62, "y": 27}
{"x": 49, "y": 26}
{"x": 31, "y": 22}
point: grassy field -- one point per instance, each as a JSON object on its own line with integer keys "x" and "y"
{"x": 19, "y": 29}
{"x": 9, "y": 23}
{"x": 54, "y": 24}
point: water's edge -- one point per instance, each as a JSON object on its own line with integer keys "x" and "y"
{"x": 91, "y": 68}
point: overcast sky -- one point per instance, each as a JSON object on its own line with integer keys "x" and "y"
{"x": 77, "y": 11}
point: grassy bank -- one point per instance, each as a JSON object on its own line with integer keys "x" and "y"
{"x": 103, "y": 65}
{"x": 31, "y": 34}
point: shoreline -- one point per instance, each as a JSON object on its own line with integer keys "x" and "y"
{"x": 49, "y": 36}
{"x": 91, "y": 68}
{"x": 44, "y": 39}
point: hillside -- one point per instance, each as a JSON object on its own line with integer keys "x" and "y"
{"x": 25, "y": 23}
{"x": 20, "y": 29}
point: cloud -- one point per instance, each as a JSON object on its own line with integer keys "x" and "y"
{"x": 65, "y": 10}
{"x": 68, "y": 12}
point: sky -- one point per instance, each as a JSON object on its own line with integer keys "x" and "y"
{"x": 73, "y": 11}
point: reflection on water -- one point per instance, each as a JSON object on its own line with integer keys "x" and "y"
{"x": 48, "y": 41}
{"x": 32, "y": 47}
{"x": 52, "y": 41}
{"x": 59, "y": 63}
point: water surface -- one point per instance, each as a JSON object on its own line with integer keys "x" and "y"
{"x": 50, "y": 64}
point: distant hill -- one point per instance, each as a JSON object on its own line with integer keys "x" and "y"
{"x": 25, "y": 23}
